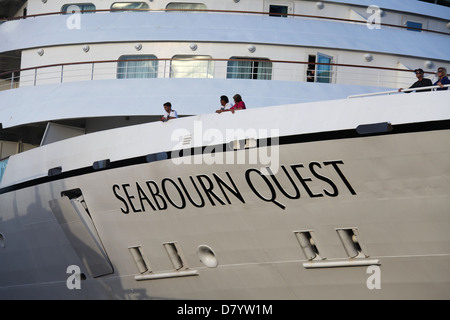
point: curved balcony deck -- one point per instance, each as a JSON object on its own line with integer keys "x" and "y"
{"x": 94, "y": 89}
{"x": 145, "y": 97}
{"x": 55, "y": 30}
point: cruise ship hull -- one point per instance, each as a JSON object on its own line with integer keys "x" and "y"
{"x": 229, "y": 221}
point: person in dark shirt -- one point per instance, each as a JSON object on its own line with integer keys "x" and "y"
{"x": 443, "y": 79}
{"x": 421, "y": 82}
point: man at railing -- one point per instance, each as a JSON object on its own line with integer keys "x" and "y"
{"x": 170, "y": 113}
{"x": 421, "y": 82}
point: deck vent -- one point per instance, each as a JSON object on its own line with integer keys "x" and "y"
{"x": 308, "y": 244}
{"x": 187, "y": 139}
{"x": 101, "y": 164}
{"x": 138, "y": 258}
{"x": 54, "y": 171}
{"x": 351, "y": 241}
{"x": 373, "y": 128}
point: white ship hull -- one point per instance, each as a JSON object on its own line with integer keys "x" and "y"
{"x": 390, "y": 188}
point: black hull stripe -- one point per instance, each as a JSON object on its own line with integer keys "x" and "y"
{"x": 285, "y": 140}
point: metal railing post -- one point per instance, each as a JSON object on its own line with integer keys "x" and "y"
{"x": 12, "y": 80}
{"x": 165, "y": 68}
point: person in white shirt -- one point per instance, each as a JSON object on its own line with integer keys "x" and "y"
{"x": 170, "y": 113}
{"x": 225, "y": 103}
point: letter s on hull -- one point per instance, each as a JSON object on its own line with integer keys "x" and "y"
{"x": 127, "y": 209}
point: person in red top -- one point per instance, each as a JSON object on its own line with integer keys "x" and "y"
{"x": 238, "y": 104}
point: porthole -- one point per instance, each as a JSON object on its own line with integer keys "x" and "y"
{"x": 207, "y": 256}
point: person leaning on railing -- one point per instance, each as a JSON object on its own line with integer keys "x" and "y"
{"x": 443, "y": 79}
{"x": 238, "y": 105}
{"x": 170, "y": 113}
{"x": 225, "y": 104}
{"x": 421, "y": 82}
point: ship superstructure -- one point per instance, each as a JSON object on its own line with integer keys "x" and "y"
{"x": 322, "y": 188}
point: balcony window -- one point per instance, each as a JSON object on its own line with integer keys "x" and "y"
{"x": 78, "y": 8}
{"x": 247, "y": 68}
{"x": 187, "y": 66}
{"x": 137, "y": 67}
{"x": 185, "y": 6}
{"x": 324, "y": 70}
{"x": 278, "y": 11}
{"x": 414, "y": 26}
{"x": 319, "y": 72}
{"x": 124, "y": 6}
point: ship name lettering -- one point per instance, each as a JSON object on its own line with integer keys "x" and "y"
{"x": 177, "y": 193}
{"x": 271, "y": 192}
{"x": 315, "y": 180}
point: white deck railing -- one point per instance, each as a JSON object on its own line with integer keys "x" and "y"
{"x": 430, "y": 88}
{"x": 277, "y": 70}
{"x": 247, "y": 12}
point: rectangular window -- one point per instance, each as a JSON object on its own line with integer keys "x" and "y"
{"x": 118, "y": 6}
{"x": 319, "y": 68}
{"x": 414, "y": 23}
{"x": 185, "y": 66}
{"x": 137, "y": 67}
{"x": 3, "y": 164}
{"x": 414, "y": 26}
{"x": 246, "y": 68}
{"x": 278, "y": 11}
{"x": 185, "y": 6}
{"x": 323, "y": 73}
{"x": 311, "y": 71}
{"x": 78, "y": 8}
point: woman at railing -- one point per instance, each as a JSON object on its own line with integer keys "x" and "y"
{"x": 443, "y": 79}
